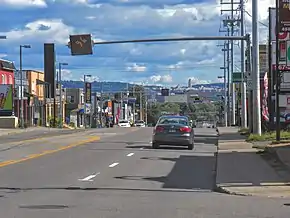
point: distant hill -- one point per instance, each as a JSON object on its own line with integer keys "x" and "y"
{"x": 121, "y": 86}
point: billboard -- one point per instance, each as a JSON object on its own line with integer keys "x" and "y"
{"x": 263, "y": 57}
{"x": 6, "y": 98}
{"x": 284, "y": 16}
{"x": 282, "y": 35}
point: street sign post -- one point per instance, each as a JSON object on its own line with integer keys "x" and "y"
{"x": 237, "y": 77}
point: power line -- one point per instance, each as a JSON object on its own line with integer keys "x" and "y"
{"x": 258, "y": 21}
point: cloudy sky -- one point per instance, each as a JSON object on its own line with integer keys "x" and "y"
{"x": 35, "y": 22}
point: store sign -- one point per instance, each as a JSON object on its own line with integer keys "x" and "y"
{"x": 88, "y": 93}
{"x": 288, "y": 53}
{"x": 282, "y": 56}
{"x": 284, "y": 16}
{"x": 282, "y": 35}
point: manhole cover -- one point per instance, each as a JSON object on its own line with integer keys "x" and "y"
{"x": 44, "y": 207}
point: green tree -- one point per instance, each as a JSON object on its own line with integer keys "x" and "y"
{"x": 156, "y": 110}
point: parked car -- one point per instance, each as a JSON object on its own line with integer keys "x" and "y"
{"x": 124, "y": 123}
{"x": 139, "y": 123}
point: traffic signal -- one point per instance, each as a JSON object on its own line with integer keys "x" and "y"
{"x": 81, "y": 44}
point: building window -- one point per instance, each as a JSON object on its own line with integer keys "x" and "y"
{"x": 4, "y": 79}
{"x": 10, "y": 79}
{"x": 82, "y": 99}
{"x": 70, "y": 99}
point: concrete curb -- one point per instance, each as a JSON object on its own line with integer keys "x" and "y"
{"x": 272, "y": 151}
{"x": 223, "y": 190}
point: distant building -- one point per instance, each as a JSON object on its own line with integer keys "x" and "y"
{"x": 189, "y": 83}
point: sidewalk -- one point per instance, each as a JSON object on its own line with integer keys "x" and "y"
{"x": 244, "y": 172}
{"x": 4, "y": 132}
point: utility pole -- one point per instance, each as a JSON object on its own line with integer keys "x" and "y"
{"x": 278, "y": 76}
{"x": 256, "y": 71}
{"x": 101, "y": 106}
{"x": 21, "y": 86}
{"x": 230, "y": 22}
{"x": 229, "y": 83}
{"x": 122, "y": 109}
{"x": 244, "y": 88}
{"x": 225, "y": 86}
{"x": 232, "y": 65}
{"x": 134, "y": 105}
{"x": 141, "y": 106}
{"x": 60, "y": 94}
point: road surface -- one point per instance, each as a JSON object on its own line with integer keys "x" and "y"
{"x": 114, "y": 173}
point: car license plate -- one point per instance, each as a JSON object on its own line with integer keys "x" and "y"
{"x": 172, "y": 130}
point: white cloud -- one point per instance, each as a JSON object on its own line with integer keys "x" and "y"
{"x": 3, "y": 55}
{"x": 25, "y": 3}
{"x": 136, "y": 68}
{"x": 195, "y": 80}
{"x": 161, "y": 79}
{"x": 41, "y": 30}
{"x": 65, "y": 74}
{"x": 90, "y": 78}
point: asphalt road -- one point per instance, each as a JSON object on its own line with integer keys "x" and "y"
{"x": 119, "y": 176}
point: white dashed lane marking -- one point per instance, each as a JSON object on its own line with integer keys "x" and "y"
{"x": 129, "y": 155}
{"x": 113, "y": 165}
{"x": 89, "y": 178}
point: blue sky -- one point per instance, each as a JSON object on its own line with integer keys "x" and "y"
{"x": 35, "y": 22}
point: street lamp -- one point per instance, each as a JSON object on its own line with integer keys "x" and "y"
{"x": 60, "y": 93}
{"x": 85, "y": 106}
{"x": 21, "y": 86}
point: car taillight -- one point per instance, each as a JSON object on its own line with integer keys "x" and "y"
{"x": 185, "y": 129}
{"x": 159, "y": 129}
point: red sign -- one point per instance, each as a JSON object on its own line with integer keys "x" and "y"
{"x": 281, "y": 67}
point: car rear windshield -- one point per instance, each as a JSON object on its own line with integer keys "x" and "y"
{"x": 139, "y": 121}
{"x": 123, "y": 121}
{"x": 173, "y": 120}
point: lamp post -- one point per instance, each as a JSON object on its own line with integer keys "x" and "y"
{"x": 85, "y": 106}
{"x": 21, "y": 86}
{"x": 60, "y": 93}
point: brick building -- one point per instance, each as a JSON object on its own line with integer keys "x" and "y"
{"x": 7, "y": 69}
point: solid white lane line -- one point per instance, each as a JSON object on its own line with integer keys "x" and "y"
{"x": 89, "y": 178}
{"x": 129, "y": 155}
{"x": 114, "y": 164}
